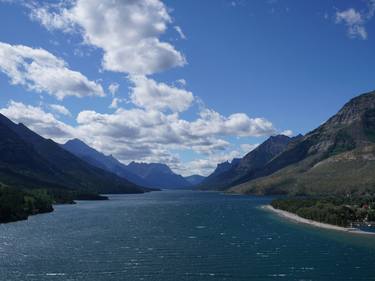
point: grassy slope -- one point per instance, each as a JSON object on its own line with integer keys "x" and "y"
{"x": 337, "y": 157}
{"x": 248, "y": 165}
{"x": 348, "y": 172}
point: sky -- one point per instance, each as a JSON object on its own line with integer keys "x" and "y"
{"x": 186, "y": 83}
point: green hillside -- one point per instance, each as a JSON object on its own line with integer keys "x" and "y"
{"x": 338, "y": 157}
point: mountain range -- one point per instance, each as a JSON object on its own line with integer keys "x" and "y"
{"x": 100, "y": 160}
{"x": 159, "y": 175}
{"x": 195, "y": 179}
{"x": 338, "y": 157}
{"x": 30, "y": 161}
{"x": 240, "y": 170}
{"x": 152, "y": 175}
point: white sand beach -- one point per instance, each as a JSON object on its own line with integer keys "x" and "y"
{"x": 298, "y": 219}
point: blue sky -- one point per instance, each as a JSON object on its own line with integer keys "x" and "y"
{"x": 186, "y": 83}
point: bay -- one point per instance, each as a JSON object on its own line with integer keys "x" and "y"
{"x": 178, "y": 235}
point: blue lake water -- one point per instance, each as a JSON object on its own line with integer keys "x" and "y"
{"x": 178, "y": 235}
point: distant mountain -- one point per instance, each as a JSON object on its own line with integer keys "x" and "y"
{"x": 336, "y": 158}
{"x": 152, "y": 175}
{"x": 227, "y": 174}
{"x": 100, "y": 160}
{"x": 195, "y": 179}
{"x": 158, "y": 175}
{"x": 27, "y": 160}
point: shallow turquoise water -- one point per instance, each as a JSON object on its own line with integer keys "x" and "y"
{"x": 178, "y": 235}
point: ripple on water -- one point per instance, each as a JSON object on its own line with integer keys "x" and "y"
{"x": 169, "y": 236}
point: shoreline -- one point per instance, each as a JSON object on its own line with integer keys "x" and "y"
{"x": 297, "y": 219}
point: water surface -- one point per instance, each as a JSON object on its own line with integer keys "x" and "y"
{"x": 178, "y": 235}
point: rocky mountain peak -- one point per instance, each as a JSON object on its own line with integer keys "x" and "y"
{"x": 354, "y": 110}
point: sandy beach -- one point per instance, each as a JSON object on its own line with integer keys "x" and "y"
{"x": 298, "y": 219}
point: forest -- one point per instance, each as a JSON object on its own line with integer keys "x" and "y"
{"x": 18, "y": 204}
{"x": 342, "y": 210}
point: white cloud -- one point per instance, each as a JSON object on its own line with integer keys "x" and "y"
{"x": 206, "y": 166}
{"x": 288, "y": 133}
{"x": 60, "y": 109}
{"x": 180, "y": 32}
{"x": 60, "y": 19}
{"x": 127, "y": 31}
{"x": 113, "y": 88}
{"x": 41, "y": 71}
{"x": 149, "y": 94}
{"x": 157, "y": 131}
{"x": 182, "y": 82}
{"x": 247, "y": 147}
{"x": 39, "y": 121}
{"x": 143, "y": 135}
{"x": 238, "y": 124}
{"x": 116, "y": 103}
{"x": 354, "y": 22}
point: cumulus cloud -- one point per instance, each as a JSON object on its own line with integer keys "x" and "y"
{"x": 129, "y": 34}
{"x": 52, "y": 16}
{"x": 39, "y": 121}
{"x": 166, "y": 131}
{"x": 40, "y": 71}
{"x": 205, "y": 166}
{"x": 143, "y": 135}
{"x": 238, "y": 124}
{"x": 149, "y": 94}
{"x": 127, "y": 31}
{"x": 60, "y": 109}
{"x": 151, "y": 135}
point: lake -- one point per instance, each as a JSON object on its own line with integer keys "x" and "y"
{"x": 178, "y": 235}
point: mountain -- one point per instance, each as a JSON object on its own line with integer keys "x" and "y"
{"x": 98, "y": 159}
{"x": 195, "y": 179}
{"x": 27, "y": 160}
{"x": 336, "y": 158}
{"x": 218, "y": 178}
{"x": 159, "y": 175}
{"x": 226, "y": 166}
{"x": 227, "y": 174}
{"x": 152, "y": 175}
